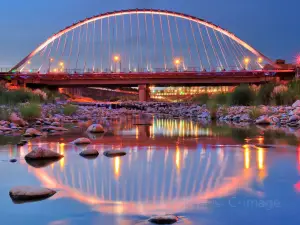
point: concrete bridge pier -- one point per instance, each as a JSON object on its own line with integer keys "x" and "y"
{"x": 144, "y": 93}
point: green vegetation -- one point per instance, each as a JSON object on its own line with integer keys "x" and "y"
{"x": 255, "y": 112}
{"x": 4, "y": 113}
{"x": 242, "y": 95}
{"x": 69, "y": 109}
{"x": 264, "y": 95}
{"x": 30, "y": 111}
{"x": 201, "y": 99}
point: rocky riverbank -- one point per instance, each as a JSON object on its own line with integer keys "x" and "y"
{"x": 53, "y": 119}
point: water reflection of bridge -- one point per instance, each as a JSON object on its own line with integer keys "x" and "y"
{"x": 150, "y": 181}
{"x": 162, "y": 133}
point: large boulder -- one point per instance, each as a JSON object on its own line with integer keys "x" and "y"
{"x": 17, "y": 120}
{"x": 42, "y": 154}
{"x": 95, "y": 128}
{"x": 23, "y": 194}
{"x": 296, "y": 104}
{"x": 82, "y": 141}
{"x": 31, "y": 132}
{"x": 114, "y": 153}
{"x": 166, "y": 219}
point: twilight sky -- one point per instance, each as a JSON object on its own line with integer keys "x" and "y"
{"x": 271, "y": 26}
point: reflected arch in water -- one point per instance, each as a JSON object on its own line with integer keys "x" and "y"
{"x": 149, "y": 182}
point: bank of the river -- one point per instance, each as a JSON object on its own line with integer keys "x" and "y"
{"x": 53, "y": 118}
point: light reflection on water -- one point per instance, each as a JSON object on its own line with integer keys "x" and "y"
{"x": 174, "y": 166}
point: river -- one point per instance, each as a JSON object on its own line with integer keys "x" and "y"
{"x": 203, "y": 173}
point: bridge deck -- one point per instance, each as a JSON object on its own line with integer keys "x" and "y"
{"x": 158, "y": 79}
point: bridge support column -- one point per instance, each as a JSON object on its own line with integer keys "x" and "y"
{"x": 144, "y": 93}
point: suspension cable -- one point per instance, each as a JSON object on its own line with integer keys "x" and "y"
{"x": 87, "y": 45}
{"x": 189, "y": 47}
{"x": 146, "y": 34}
{"x": 204, "y": 45}
{"x": 179, "y": 41}
{"x": 124, "y": 39}
{"x": 163, "y": 41}
{"x": 101, "y": 50}
{"x": 154, "y": 38}
{"x": 230, "y": 50}
{"x": 221, "y": 47}
{"x": 139, "y": 42}
{"x": 94, "y": 60}
{"x": 71, "y": 48}
{"x": 171, "y": 39}
{"x": 78, "y": 52}
{"x": 197, "y": 48}
{"x": 214, "y": 50}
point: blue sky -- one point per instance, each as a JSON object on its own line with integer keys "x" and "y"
{"x": 271, "y": 26}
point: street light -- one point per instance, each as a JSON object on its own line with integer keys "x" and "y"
{"x": 247, "y": 61}
{"x": 50, "y": 62}
{"x": 259, "y": 60}
{"x": 117, "y": 59}
{"x": 177, "y": 63}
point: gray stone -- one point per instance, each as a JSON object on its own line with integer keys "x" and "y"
{"x": 41, "y": 153}
{"x": 114, "y": 153}
{"x": 166, "y": 219}
{"x": 82, "y": 141}
{"x": 24, "y": 194}
{"x": 31, "y": 132}
{"x": 89, "y": 153}
{"x": 95, "y": 128}
{"x": 296, "y": 104}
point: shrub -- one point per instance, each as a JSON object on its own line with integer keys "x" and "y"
{"x": 242, "y": 95}
{"x": 284, "y": 98}
{"x": 222, "y": 98}
{"x": 30, "y": 111}
{"x": 69, "y": 109}
{"x": 213, "y": 108}
{"x": 4, "y": 114}
{"x": 14, "y": 97}
{"x": 201, "y": 99}
{"x": 264, "y": 95}
{"x": 255, "y": 112}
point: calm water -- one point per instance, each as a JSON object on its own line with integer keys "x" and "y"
{"x": 204, "y": 174}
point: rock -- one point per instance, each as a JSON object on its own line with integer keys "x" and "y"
{"x": 296, "y": 104}
{"x": 41, "y": 163}
{"x": 17, "y": 120}
{"x": 263, "y": 120}
{"x": 22, "y": 143}
{"x": 294, "y": 118}
{"x": 82, "y": 141}
{"x": 24, "y": 194}
{"x": 5, "y": 129}
{"x": 167, "y": 219}
{"x": 114, "y": 153}
{"x": 89, "y": 153}
{"x": 55, "y": 124}
{"x": 13, "y": 160}
{"x": 53, "y": 128}
{"x": 31, "y": 132}
{"x": 295, "y": 112}
{"x": 41, "y": 153}
{"x": 95, "y": 128}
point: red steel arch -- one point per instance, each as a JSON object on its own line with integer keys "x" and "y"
{"x": 142, "y": 11}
